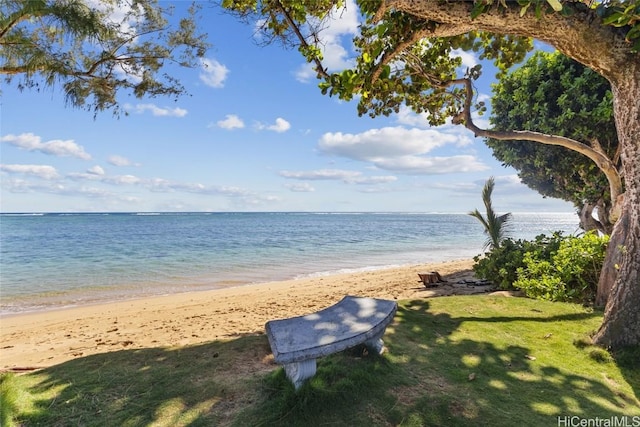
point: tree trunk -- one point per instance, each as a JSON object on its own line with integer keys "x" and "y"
{"x": 587, "y": 221}
{"x": 603, "y": 208}
{"x": 602, "y": 48}
{"x": 621, "y": 324}
{"x": 612, "y": 261}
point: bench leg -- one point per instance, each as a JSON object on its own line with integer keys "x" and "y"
{"x": 376, "y": 344}
{"x": 299, "y": 372}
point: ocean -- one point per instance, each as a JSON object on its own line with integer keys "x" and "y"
{"x": 58, "y": 260}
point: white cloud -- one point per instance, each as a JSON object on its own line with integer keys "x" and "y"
{"x": 55, "y": 147}
{"x": 401, "y": 150}
{"x": 305, "y": 72}
{"x": 82, "y": 185}
{"x": 239, "y": 196}
{"x": 484, "y": 97}
{"x": 506, "y": 185}
{"x": 481, "y": 121}
{"x": 384, "y": 142}
{"x": 231, "y": 121}
{"x": 416, "y": 165}
{"x": 40, "y": 171}
{"x": 300, "y": 187}
{"x": 127, "y": 19}
{"x": 406, "y": 116}
{"x": 348, "y": 177}
{"x": 468, "y": 58}
{"x": 119, "y": 14}
{"x": 123, "y": 180}
{"x": 369, "y": 180}
{"x": 321, "y": 174}
{"x": 342, "y": 22}
{"x": 120, "y": 161}
{"x": 157, "y": 111}
{"x": 281, "y": 125}
{"x": 213, "y": 73}
{"x": 92, "y": 175}
{"x": 96, "y": 170}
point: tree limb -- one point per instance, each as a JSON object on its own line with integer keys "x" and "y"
{"x": 388, "y": 56}
{"x": 31, "y": 10}
{"x": 576, "y": 36}
{"x": 603, "y": 162}
{"x": 303, "y": 42}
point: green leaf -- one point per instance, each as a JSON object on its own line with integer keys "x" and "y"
{"x": 615, "y": 19}
{"x": 386, "y": 72}
{"x": 555, "y": 4}
{"x": 478, "y": 8}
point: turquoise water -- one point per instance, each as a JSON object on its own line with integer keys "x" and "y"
{"x": 53, "y": 260}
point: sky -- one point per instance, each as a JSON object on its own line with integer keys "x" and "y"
{"x": 254, "y": 134}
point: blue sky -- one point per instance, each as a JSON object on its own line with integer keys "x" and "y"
{"x": 255, "y": 134}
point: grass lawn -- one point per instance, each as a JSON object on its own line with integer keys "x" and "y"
{"x": 451, "y": 361}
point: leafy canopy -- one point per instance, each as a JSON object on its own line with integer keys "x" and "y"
{"x": 97, "y": 48}
{"x": 400, "y": 62}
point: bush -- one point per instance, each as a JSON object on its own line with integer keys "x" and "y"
{"x": 570, "y": 274}
{"x": 501, "y": 264}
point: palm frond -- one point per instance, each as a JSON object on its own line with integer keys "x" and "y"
{"x": 496, "y": 227}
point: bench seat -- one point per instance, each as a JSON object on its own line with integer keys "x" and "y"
{"x": 297, "y": 342}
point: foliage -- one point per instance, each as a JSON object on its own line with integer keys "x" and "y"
{"x": 519, "y": 350}
{"x": 571, "y": 274}
{"x": 553, "y": 94}
{"x": 97, "y": 51}
{"x": 501, "y": 264}
{"x": 495, "y": 226}
{"x": 623, "y": 14}
{"x": 397, "y": 64}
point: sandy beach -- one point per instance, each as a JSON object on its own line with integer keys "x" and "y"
{"x": 37, "y": 340}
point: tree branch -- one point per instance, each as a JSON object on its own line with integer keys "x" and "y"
{"x": 388, "y": 56}
{"x": 30, "y": 10}
{"x": 603, "y": 162}
{"x": 11, "y": 71}
{"x": 303, "y": 42}
{"x": 576, "y": 36}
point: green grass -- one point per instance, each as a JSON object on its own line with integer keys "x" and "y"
{"x": 452, "y": 361}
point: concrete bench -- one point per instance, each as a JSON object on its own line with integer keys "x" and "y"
{"x": 297, "y": 342}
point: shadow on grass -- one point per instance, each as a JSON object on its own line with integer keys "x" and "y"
{"x": 447, "y": 365}
{"x": 476, "y": 369}
{"x": 198, "y": 385}
{"x": 628, "y": 360}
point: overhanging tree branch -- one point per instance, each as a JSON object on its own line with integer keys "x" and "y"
{"x": 604, "y": 163}
{"x": 577, "y": 36}
{"x": 303, "y": 42}
{"x": 45, "y": 41}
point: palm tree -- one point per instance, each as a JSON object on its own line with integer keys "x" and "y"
{"x": 495, "y": 226}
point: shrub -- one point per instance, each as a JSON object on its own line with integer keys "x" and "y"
{"x": 571, "y": 274}
{"x": 501, "y": 264}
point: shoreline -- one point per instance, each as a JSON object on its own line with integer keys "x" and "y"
{"x": 40, "y": 339}
{"x": 85, "y": 297}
